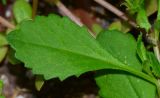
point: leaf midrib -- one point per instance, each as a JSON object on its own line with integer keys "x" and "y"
{"x": 117, "y": 66}
{"x": 59, "y": 49}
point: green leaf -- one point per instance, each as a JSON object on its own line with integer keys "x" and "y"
{"x": 119, "y": 84}
{"x": 57, "y": 47}
{"x": 154, "y": 64}
{"x": 11, "y": 57}
{"x": 3, "y": 52}
{"x": 134, "y": 5}
{"x": 151, "y": 6}
{"x": 157, "y": 25}
{"x": 118, "y": 25}
{"x": 3, "y": 40}
{"x": 4, "y": 2}
{"x": 39, "y": 82}
{"x": 3, "y": 48}
{"x": 115, "y": 26}
{"x": 148, "y": 59}
{"x": 22, "y": 10}
{"x": 142, "y": 54}
{"x": 138, "y": 6}
{"x": 142, "y": 20}
{"x": 97, "y": 28}
{"x": 158, "y": 15}
{"x": 1, "y": 87}
{"x": 141, "y": 50}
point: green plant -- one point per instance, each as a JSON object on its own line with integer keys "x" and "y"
{"x": 3, "y": 1}
{"x": 56, "y": 47}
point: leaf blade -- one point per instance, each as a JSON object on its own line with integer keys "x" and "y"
{"x": 57, "y": 44}
{"x": 123, "y": 47}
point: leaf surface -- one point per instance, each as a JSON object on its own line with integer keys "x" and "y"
{"x": 119, "y": 84}
{"x": 22, "y": 10}
{"x": 133, "y": 5}
{"x": 142, "y": 19}
{"x": 154, "y": 64}
{"x": 3, "y": 48}
{"x": 158, "y": 15}
{"x": 56, "y": 47}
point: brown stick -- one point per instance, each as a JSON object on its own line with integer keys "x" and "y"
{"x": 116, "y": 11}
{"x": 34, "y": 6}
{"x": 6, "y": 23}
{"x": 66, "y": 12}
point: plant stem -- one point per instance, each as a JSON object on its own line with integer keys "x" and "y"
{"x": 141, "y": 75}
{"x": 156, "y": 52}
{"x": 6, "y": 23}
{"x": 156, "y": 48}
{"x": 67, "y": 12}
{"x": 116, "y": 11}
{"x": 35, "y": 6}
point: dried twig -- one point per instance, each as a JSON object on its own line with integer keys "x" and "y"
{"x": 116, "y": 11}
{"x": 66, "y": 12}
{"x": 6, "y": 23}
{"x": 125, "y": 18}
{"x": 35, "y": 6}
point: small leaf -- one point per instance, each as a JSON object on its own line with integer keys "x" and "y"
{"x": 125, "y": 27}
{"x": 22, "y": 10}
{"x": 142, "y": 20}
{"x": 157, "y": 25}
{"x": 97, "y": 28}
{"x": 158, "y": 15}
{"x": 57, "y": 47}
{"x": 151, "y": 7}
{"x": 115, "y": 26}
{"x": 11, "y": 57}
{"x": 1, "y": 86}
{"x": 123, "y": 47}
{"x": 39, "y": 82}
{"x": 141, "y": 50}
{"x": 3, "y": 48}
{"x": 118, "y": 25}
{"x": 156, "y": 31}
{"x": 3, "y": 52}
{"x": 146, "y": 57}
{"x": 154, "y": 64}
{"x": 3, "y": 40}
{"x": 134, "y": 5}
{"x": 4, "y": 2}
